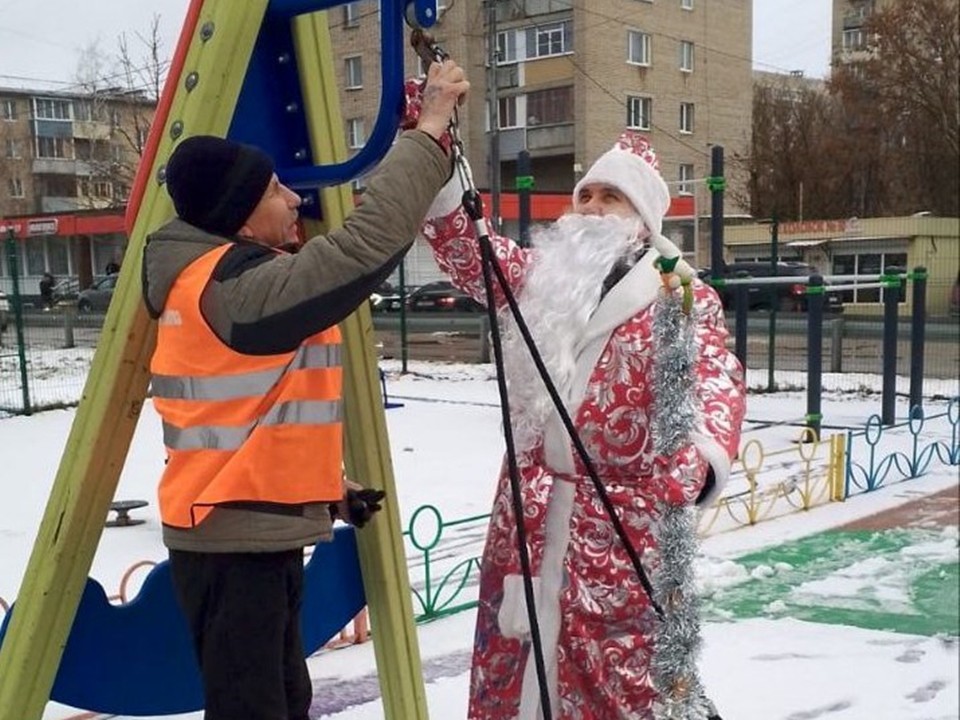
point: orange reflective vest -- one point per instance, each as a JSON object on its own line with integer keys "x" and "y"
{"x": 258, "y": 428}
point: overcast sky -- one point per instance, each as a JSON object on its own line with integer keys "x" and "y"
{"x": 40, "y": 40}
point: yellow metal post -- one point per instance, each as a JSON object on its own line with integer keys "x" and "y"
{"x": 838, "y": 466}
{"x": 97, "y": 446}
{"x": 367, "y": 451}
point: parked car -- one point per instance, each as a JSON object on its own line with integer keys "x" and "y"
{"x": 385, "y": 299}
{"x": 788, "y": 296}
{"x": 4, "y": 311}
{"x": 441, "y": 296}
{"x": 97, "y": 296}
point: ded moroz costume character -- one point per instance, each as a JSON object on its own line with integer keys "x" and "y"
{"x": 588, "y": 289}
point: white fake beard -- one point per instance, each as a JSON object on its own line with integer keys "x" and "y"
{"x": 570, "y": 261}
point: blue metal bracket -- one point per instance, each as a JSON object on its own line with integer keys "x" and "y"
{"x": 270, "y": 113}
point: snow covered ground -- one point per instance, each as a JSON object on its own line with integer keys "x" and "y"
{"x": 779, "y": 660}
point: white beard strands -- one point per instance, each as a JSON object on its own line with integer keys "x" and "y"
{"x": 562, "y": 289}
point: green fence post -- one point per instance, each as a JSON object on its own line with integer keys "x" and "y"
{"x": 18, "y": 316}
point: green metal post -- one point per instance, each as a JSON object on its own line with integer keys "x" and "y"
{"x": 403, "y": 321}
{"x": 18, "y": 317}
{"x": 774, "y": 295}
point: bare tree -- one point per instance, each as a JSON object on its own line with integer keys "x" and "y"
{"x": 901, "y": 89}
{"x": 789, "y": 166}
{"x": 882, "y": 139}
{"x": 118, "y": 100}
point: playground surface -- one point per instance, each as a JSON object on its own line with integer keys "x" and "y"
{"x": 844, "y": 612}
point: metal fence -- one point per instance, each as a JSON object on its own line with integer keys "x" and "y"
{"x": 45, "y": 354}
{"x": 766, "y": 482}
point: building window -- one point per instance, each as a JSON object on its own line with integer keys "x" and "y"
{"x": 50, "y": 147}
{"x": 853, "y": 39}
{"x": 507, "y": 112}
{"x": 686, "y": 4}
{"x": 13, "y": 151}
{"x": 15, "y": 186}
{"x": 686, "y": 179}
{"x": 354, "y": 72}
{"x": 686, "y": 56}
{"x": 48, "y": 109}
{"x": 639, "y": 112}
{"x": 686, "y": 117}
{"x": 356, "y": 136}
{"x": 638, "y": 48}
{"x": 868, "y": 264}
{"x": 8, "y": 109}
{"x": 506, "y": 47}
{"x": 351, "y": 14}
{"x": 550, "y": 107}
{"x": 548, "y": 40}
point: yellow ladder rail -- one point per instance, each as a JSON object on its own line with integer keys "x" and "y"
{"x": 367, "y": 451}
{"x": 115, "y": 389}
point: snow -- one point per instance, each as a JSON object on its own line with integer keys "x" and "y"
{"x": 776, "y": 664}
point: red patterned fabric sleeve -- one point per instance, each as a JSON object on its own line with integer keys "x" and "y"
{"x": 721, "y": 403}
{"x": 453, "y": 239}
{"x": 721, "y": 392}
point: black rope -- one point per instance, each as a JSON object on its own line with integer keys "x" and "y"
{"x": 473, "y": 206}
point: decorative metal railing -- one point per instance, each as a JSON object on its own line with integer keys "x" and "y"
{"x": 444, "y": 557}
{"x": 869, "y": 468}
{"x": 439, "y": 575}
{"x": 767, "y": 484}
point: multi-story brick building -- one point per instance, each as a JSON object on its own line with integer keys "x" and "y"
{"x": 849, "y": 17}
{"x": 570, "y": 76}
{"x": 67, "y": 161}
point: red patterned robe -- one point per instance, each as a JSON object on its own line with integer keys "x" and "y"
{"x": 595, "y": 619}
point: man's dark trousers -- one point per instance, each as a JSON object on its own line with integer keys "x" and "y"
{"x": 244, "y": 614}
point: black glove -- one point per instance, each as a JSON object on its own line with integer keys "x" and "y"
{"x": 708, "y": 485}
{"x": 360, "y": 505}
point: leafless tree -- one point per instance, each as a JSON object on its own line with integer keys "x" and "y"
{"x": 118, "y": 98}
{"x": 904, "y": 85}
{"x": 881, "y": 140}
{"x": 789, "y": 166}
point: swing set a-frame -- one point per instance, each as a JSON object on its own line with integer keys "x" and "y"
{"x": 262, "y": 72}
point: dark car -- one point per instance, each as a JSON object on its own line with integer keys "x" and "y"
{"x": 97, "y": 296}
{"x": 791, "y": 297}
{"x": 441, "y": 296}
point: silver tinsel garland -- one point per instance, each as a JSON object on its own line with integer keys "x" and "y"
{"x": 677, "y": 643}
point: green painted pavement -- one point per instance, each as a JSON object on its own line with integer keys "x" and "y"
{"x": 902, "y": 580}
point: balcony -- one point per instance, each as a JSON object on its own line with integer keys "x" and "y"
{"x": 53, "y": 204}
{"x": 539, "y": 141}
{"x": 91, "y": 130}
{"x": 54, "y": 166}
{"x": 853, "y": 21}
{"x": 550, "y": 139}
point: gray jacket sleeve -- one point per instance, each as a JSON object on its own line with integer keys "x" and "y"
{"x": 259, "y": 301}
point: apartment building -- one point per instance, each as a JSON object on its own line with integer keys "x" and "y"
{"x": 849, "y": 17}
{"x": 67, "y": 161}
{"x": 567, "y": 76}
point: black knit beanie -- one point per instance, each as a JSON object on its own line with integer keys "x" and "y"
{"x": 216, "y": 183}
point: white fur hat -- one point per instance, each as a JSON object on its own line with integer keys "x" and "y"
{"x": 631, "y": 166}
